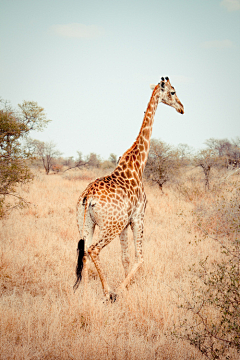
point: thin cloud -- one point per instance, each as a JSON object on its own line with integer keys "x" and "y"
{"x": 76, "y": 30}
{"x": 231, "y": 5}
{"x": 217, "y": 44}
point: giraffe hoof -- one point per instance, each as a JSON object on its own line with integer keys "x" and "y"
{"x": 111, "y": 297}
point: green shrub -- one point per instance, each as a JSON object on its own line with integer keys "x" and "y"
{"x": 14, "y": 129}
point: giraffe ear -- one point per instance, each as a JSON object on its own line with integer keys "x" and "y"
{"x": 152, "y": 86}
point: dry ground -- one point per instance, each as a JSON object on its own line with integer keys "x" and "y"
{"x": 41, "y": 316}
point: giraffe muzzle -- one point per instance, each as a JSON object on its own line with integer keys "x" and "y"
{"x": 181, "y": 111}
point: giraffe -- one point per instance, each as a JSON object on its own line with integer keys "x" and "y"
{"x": 118, "y": 200}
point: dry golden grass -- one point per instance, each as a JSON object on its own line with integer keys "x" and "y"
{"x": 41, "y": 317}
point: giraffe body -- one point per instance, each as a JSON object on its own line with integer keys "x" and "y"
{"x": 118, "y": 200}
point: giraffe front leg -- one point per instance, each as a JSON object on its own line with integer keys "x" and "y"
{"x": 124, "y": 246}
{"x": 137, "y": 228}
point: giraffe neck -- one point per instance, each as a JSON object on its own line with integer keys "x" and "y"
{"x": 135, "y": 158}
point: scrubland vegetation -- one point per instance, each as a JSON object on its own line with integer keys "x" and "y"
{"x": 172, "y": 309}
{"x": 184, "y": 304}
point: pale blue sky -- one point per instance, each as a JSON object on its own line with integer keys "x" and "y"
{"x": 90, "y": 63}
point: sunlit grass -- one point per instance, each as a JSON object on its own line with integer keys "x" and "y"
{"x": 41, "y": 316}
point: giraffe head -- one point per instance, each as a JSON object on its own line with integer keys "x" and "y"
{"x": 168, "y": 95}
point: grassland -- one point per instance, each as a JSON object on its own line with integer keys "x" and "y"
{"x": 41, "y": 316}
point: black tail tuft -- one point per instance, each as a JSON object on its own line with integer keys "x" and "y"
{"x": 79, "y": 266}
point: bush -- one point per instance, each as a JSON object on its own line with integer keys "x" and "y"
{"x": 189, "y": 188}
{"x": 107, "y": 165}
{"x": 163, "y": 163}
{"x": 214, "y": 327}
{"x": 14, "y": 129}
{"x": 57, "y": 168}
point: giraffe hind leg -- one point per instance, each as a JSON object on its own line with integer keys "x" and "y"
{"x": 86, "y": 230}
{"x": 94, "y": 251}
{"x": 106, "y": 236}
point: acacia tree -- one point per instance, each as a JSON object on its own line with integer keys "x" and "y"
{"x": 220, "y": 146}
{"x": 15, "y": 126}
{"x": 113, "y": 159}
{"x": 185, "y": 153}
{"x": 93, "y": 160}
{"x": 32, "y": 115}
{"x": 206, "y": 159}
{"x": 228, "y": 152}
{"x": 78, "y": 163}
{"x": 163, "y": 163}
{"x": 234, "y": 153}
{"x": 46, "y": 151}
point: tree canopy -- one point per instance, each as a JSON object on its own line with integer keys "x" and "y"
{"x": 15, "y": 126}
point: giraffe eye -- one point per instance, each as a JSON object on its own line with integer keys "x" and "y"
{"x": 172, "y": 93}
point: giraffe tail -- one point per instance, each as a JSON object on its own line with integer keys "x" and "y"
{"x": 79, "y": 266}
{"x": 81, "y": 247}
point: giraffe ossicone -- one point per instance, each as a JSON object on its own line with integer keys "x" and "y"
{"x": 117, "y": 201}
